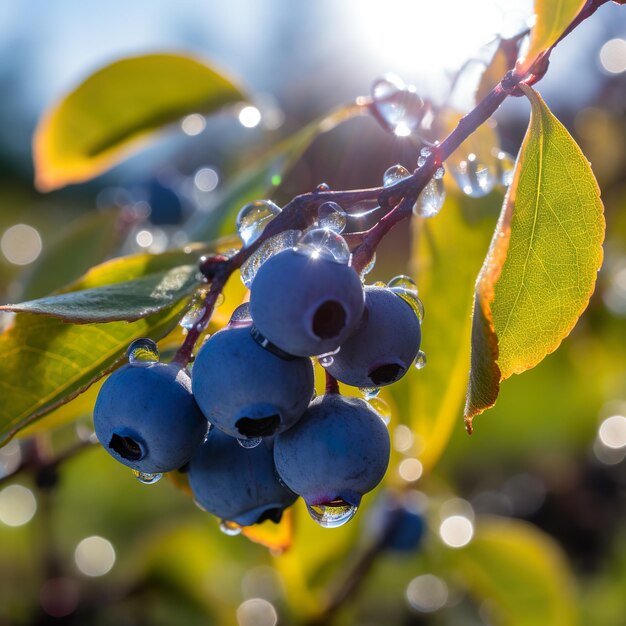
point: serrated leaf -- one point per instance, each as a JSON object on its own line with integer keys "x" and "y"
{"x": 46, "y": 362}
{"x": 552, "y": 18}
{"x": 125, "y": 301}
{"x": 542, "y": 265}
{"x": 260, "y": 178}
{"x": 519, "y": 571}
{"x": 99, "y": 121}
{"x": 448, "y": 252}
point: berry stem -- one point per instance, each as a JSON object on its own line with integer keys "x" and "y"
{"x": 332, "y": 386}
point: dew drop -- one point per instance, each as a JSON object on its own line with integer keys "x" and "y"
{"x": 369, "y": 267}
{"x": 369, "y": 392}
{"x": 273, "y": 245}
{"x": 439, "y": 172}
{"x": 324, "y": 243}
{"x": 142, "y": 353}
{"x": 406, "y": 283}
{"x": 405, "y": 287}
{"x": 326, "y": 359}
{"x": 474, "y": 178}
{"x": 241, "y": 314}
{"x": 420, "y": 360}
{"x": 249, "y": 443}
{"x": 230, "y": 528}
{"x": 382, "y": 408}
{"x": 430, "y": 201}
{"x": 145, "y": 478}
{"x": 253, "y": 218}
{"x": 330, "y": 215}
{"x": 322, "y": 187}
{"x": 506, "y": 165}
{"x": 424, "y": 154}
{"x": 394, "y": 174}
{"x": 194, "y": 313}
{"x": 332, "y": 514}
{"x": 398, "y": 106}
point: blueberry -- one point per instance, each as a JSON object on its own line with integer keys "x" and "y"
{"x": 399, "y": 521}
{"x": 147, "y": 418}
{"x": 338, "y": 451}
{"x": 246, "y": 390}
{"x": 382, "y": 348}
{"x": 237, "y": 484}
{"x": 305, "y": 305}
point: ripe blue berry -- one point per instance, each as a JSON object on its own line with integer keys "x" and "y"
{"x": 247, "y": 391}
{"x": 237, "y": 484}
{"x": 305, "y": 304}
{"x": 383, "y": 346}
{"x": 147, "y": 419}
{"x": 338, "y": 451}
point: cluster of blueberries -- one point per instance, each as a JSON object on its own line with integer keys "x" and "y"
{"x": 245, "y": 423}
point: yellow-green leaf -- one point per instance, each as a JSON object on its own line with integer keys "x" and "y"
{"x": 96, "y": 124}
{"x": 495, "y": 71}
{"x": 552, "y": 18}
{"x": 519, "y": 571}
{"x": 542, "y": 265}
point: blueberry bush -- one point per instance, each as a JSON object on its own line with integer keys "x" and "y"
{"x": 302, "y": 405}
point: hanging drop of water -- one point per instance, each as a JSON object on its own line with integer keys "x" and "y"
{"x": 241, "y": 314}
{"x": 194, "y": 313}
{"x": 420, "y": 360}
{"x": 424, "y": 154}
{"x": 369, "y": 267}
{"x": 270, "y": 247}
{"x": 369, "y": 392}
{"x": 394, "y": 174}
{"x": 250, "y": 443}
{"x": 230, "y": 528}
{"x": 430, "y": 201}
{"x": 325, "y": 243}
{"x": 382, "y": 408}
{"x": 145, "y": 478}
{"x": 142, "y": 353}
{"x": 506, "y": 165}
{"x": 399, "y": 106}
{"x": 330, "y": 215}
{"x": 253, "y": 218}
{"x": 474, "y": 178}
{"x": 332, "y": 514}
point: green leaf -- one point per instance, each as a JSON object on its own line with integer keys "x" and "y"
{"x": 261, "y": 178}
{"x": 520, "y": 571}
{"x": 46, "y": 362}
{"x": 84, "y": 243}
{"x": 498, "y": 66}
{"x": 125, "y": 301}
{"x": 97, "y": 123}
{"x": 552, "y": 18}
{"x": 448, "y": 252}
{"x": 544, "y": 258}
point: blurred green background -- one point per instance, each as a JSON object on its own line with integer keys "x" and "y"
{"x": 541, "y": 483}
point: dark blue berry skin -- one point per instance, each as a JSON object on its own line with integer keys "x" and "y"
{"x": 147, "y": 418}
{"x": 237, "y": 484}
{"x": 384, "y": 345}
{"x": 247, "y": 391}
{"x": 339, "y": 450}
{"x": 305, "y": 305}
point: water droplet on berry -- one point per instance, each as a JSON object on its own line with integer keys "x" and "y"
{"x": 142, "y": 353}
{"x": 230, "y": 528}
{"x": 324, "y": 243}
{"x": 241, "y": 314}
{"x": 424, "y": 154}
{"x": 381, "y": 407}
{"x": 403, "y": 282}
{"x": 249, "y": 443}
{"x": 430, "y": 201}
{"x": 282, "y": 241}
{"x": 394, "y": 174}
{"x": 332, "y": 514}
{"x": 405, "y": 287}
{"x": 194, "y": 313}
{"x": 145, "y": 478}
{"x": 420, "y": 360}
{"x": 322, "y": 187}
{"x": 398, "y": 106}
{"x": 253, "y": 218}
{"x": 506, "y": 165}
{"x": 326, "y": 359}
{"x": 474, "y": 178}
{"x": 369, "y": 267}
{"x": 330, "y": 215}
{"x": 369, "y": 392}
